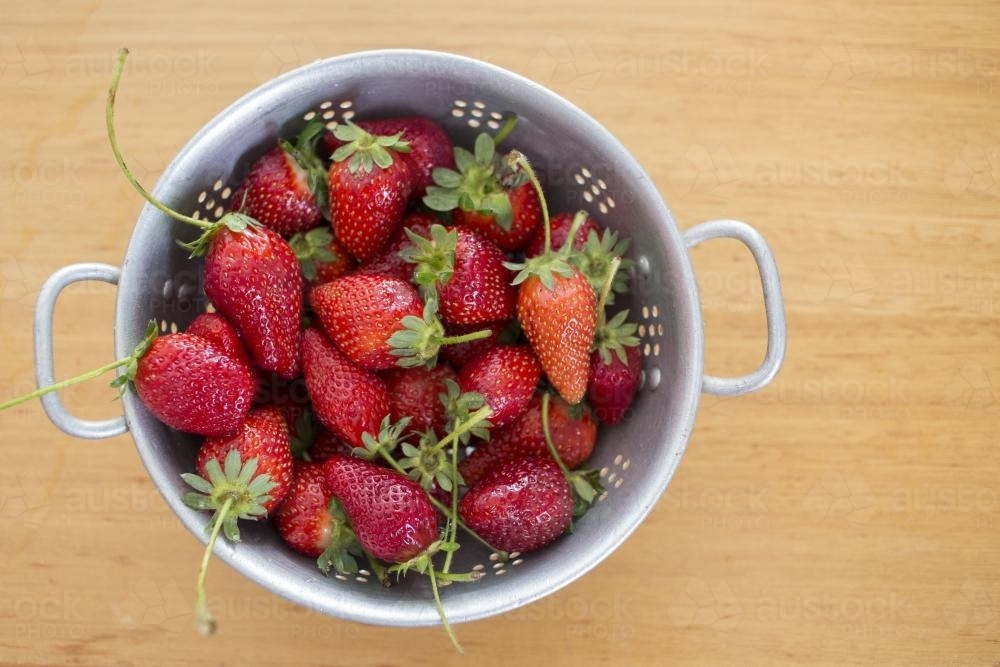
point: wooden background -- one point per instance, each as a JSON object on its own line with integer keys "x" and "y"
{"x": 846, "y": 515}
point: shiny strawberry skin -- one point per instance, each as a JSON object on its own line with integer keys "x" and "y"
{"x": 527, "y": 218}
{"x": 506, "y": 376}
{"x": 560, "y": 324}
{"x": 415, "y": 393}
{"x": 347, "y": 399}
{"x": 479, "y": 290}
{"x": 573, "y": 430}
{"x": 263, "y": 436}
{"x": 219, "y": 330}
{"x": 303, "y": 519}
{"x": 560, "y": 225}
{"x": 460, "y": 354}
{"x": 190, "y": 384}
{"x": 388, "y": 262}
{"x": 389, "y": 512}
{"x": 366, "y": 208}
{"x": 254, "y": 280}
{"x": 329, "y": 271}
{"x": 612, "y": 387}
{"x": 276, "y": 194}
{"x": 520, "y": 505}
{"x": 360, "y": 312}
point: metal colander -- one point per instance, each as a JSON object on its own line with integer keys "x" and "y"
{"x": 581, "y": 165}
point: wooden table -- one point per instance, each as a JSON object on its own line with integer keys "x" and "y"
{"x": 846, "y": 515}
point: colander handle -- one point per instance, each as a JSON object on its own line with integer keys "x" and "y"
{"x": 774, "y": 305}
{"x": 44, "y": 365}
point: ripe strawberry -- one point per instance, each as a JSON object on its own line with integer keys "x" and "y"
{"x": 217, "y": 329}
{"x": 572, "y": 428}
{"x": 557, "y": 309}
{"x": 369, "y": 186}
{"x": 462, "y": 353}
{"x": 389, "y": 512}
{"x": 520, "y": 505}
{"x": 279, "y": 190}
{"x": 487, "y": 196}
{"x": 506, "y": 376}
{"x": 244, "y": 476}
{"x": 321, "y": 257}
{"x": 465, "y": 272}
{"x": 430, "y": 145}
{"x": 560, "y": 225}
{"x": 415, "y": 393}
{"x": 189, "y": 383}
{"x": 389, "y": 262}
{"x": 347, "y": 400}
{"x": 614, "y": 368}
{"x": 254, "y": 280}
{"x": 361, "y": 312}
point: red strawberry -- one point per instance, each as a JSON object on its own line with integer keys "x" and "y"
{"x": 572, "y": 428}
{"x": 244, "y": 476}
{"x": 467, "y": 274}
{"x": 487, "y": 196}
{"x": 347, "y": 399}
{"x": 415, "y": 393}
{"x": 326, "y": 445}
{"x": 361, "y": 312}
{"x": 615, "y": 366}
{"x": 521, "y": 505}
{"x": 189, "y": 383}
{"x": 460, "y": 354}
{"x": 279, "y": 190}
{"x": 254, "y": 280}
{"x": 390, "y": 514}
{"x": 560, "y": 224}
{"x": 219, "y": 330}
{"x": 506, "y": 376}
{"x": 430, "y": 145}
{"x": 369, "y": 186}
{"x": 321, "y": 257}
{"x": 388, "y": 261}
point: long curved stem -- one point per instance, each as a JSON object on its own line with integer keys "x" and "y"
{"x": 65, "y": 383}
{"x": 440, "y": 608}
{"x": 109, "y": 115}
{"x": 548, "y": 435}
{"x": 206, "y": 624}
{"x": 521, "y": 161}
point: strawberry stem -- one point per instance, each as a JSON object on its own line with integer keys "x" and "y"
{"x": 206, "y": 623}
{"x": 548, "y": 435}
{"x": 109, "y": 113}
{"x": 451, "y": 530}
{"x": 440, "y": 609}
{"x": 465, "y": 338}
{"x": 518, "y": 159}
{"x": 65, "y": 383}
{"x": 510, "y": 122}
{"x": 605, "y": 290}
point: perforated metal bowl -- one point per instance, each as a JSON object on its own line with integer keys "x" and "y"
{"x": 583, "y": 166}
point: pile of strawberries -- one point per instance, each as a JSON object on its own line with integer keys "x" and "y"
{"x": 401, "y": 344}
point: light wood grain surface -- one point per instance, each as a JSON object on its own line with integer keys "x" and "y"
{"x": 846, "y": 515}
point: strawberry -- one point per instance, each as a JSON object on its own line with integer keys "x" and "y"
{"x": 217, "y": 329}
{"x": 369, "y": 186}
{"x": 506, "y": 376}
{"x": 244, "y": 476}
{"x": 389, "y": 262}
{"x": 361, "y": 312}
{"x": 560, "y": 225}
{"x": 465, "y": 272}
{"x": 347, "y": 399}
{"x": 326, "y": 445}
{"x": 312, "y": 523}
{"x": 487, "y": 196}
{"x": 189, "y": 383}
{"x": 520, "y": 505}
{"x": 557, "y": 308}
{"x": 415, "y": 393}
{"x": 462, "y": 353}
{"x": 253, "y": 278}
{"x": 615, "y": 366}
{"x": 430, "y": 146}
{"x": 279, "y": 190}
{"x": 321, "y": 257}
{"x": 573, "y": 430}
{"x": 390, "y": 514}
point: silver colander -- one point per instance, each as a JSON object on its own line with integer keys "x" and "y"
{"x": 582, "y": 165}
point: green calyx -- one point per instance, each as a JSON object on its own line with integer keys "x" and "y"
{"x": 233, "y": 491}
{"x": 433, "y": 258}
{"x": 421, "y": 338}
{"x": 551, "y": 262}
{"x": 304, "y": 434}
{"x": 614, "y": 335}
{"x": 428, "y": 464}
{"x": 595, "y": 258}
{"x": 312, "y": 249}
{"x": 303, "y": 150}
{"x": 480, "y": 184}
{"x": 385, "y": 443}
{"x": 344, "y": 549}
{"x": 236, "y": 222}
{"x": 366, "y": 151}
{"x": 461, "y": 407}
